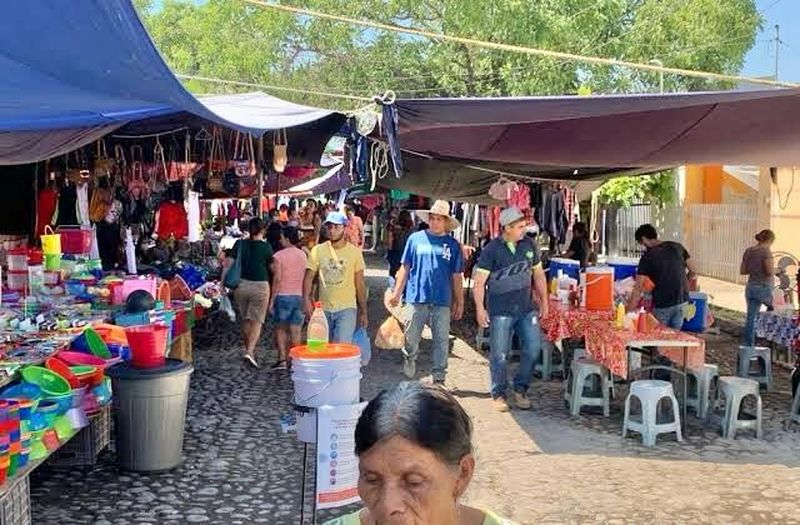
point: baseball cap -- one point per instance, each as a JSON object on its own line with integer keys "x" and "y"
{"x": 510, "y": 216}
{"x": 336, "y": 217}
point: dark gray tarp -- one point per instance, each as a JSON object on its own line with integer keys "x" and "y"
{"x": 459, "y": 182}
{"x": 626, "y": 131}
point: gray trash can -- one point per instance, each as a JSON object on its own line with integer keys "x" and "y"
{"x": 150, "y": 412}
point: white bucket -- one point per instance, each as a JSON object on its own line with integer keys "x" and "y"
{"x": 319, "y": 382}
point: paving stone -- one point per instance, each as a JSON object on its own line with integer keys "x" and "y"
{"x": 537, "y": 467}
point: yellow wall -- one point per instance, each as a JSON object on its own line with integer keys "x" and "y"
{"x": 785, "y": 209}
{"x": 709, "y": 184}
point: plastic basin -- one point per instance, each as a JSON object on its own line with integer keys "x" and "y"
{"x": 50, "y": 382}
{"x": 79, "y": 358}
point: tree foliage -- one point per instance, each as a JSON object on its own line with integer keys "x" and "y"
{"x": 658, "y": 188}
{"x": 232, "y": 40}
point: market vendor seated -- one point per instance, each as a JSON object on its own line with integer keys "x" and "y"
{"x": 580, "y": 248}
{"x": 668, "y": 266}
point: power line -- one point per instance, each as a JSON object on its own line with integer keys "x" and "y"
{"x": 522, "y": 49}
{"x": 268, "y": 86}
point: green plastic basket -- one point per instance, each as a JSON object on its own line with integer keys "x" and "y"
{"x": 50, "y": 382}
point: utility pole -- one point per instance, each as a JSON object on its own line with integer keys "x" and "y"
{"x": 777, "y": 47}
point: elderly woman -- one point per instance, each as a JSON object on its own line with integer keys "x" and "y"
{"x": 414, "y": 444}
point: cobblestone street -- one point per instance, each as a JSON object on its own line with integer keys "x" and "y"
{"x": 534, "y": 467}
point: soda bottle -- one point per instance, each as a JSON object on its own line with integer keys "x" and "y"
{"x": 317, "y": 337}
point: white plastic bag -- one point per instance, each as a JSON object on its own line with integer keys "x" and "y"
{"x": 226, "y": 306}
{"x": 130, "y": 252}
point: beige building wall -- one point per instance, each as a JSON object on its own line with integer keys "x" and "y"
{"x": 782, "y": 190}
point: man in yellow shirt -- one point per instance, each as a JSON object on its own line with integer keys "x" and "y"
{"x": 339, "y": 267}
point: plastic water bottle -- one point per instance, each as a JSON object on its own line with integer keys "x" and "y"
{"x": 317, "y": 330}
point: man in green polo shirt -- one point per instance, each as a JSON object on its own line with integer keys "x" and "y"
{"x": 515, "y": 302}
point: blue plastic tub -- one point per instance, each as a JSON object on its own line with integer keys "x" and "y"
{"x": 568, "y": 266}
{"x": 697, "y": 323}
{"x": 624, "y": 267}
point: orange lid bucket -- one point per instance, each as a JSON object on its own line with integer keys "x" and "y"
{"x": 330, "y": 351}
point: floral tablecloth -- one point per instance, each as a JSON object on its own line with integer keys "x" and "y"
{"x": 779, "y": 327}
{"x": 571, "y": 323}
{"x": 609, "y": 345}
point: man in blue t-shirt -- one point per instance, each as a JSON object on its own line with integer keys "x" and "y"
{"x": 510, "y": 268}
{"x": 431, "y": 276}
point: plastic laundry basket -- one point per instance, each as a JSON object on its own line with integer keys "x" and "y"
{"x": 150, "y": 412}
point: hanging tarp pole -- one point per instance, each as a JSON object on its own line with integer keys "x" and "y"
{"x": 260, "y": 164}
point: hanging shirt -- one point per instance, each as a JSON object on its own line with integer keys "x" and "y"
{"x": 432, "y": 261}
{"x": 172, "y": 221}
{"x": 83, "y": 204}
{"x": 46, "y": 208}
{"x": 67, "y": 206}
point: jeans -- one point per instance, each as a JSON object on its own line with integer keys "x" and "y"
{"x": 530, "y": 338}
{"x": 342, "y": 325}
{"x": 438, "y": 318}
{"x": 671, "y": 316}
{"x": 756, "y": 295}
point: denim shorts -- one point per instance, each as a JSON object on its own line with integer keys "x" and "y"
{"x": 289, "y": 309}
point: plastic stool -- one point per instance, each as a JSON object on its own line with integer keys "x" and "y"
{"x": 763, "y": 357}
{"x": 581, "y": 371}
{"x": 795, "y": 414}
{"x": 650, "y": 392}
{"x": 547, "y": 367}
{"x": 481, "y": 338}
{"x": 735, "y": 390}
{"x": 706, "y": 380}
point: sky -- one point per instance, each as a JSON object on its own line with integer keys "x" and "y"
{"x": 760, "y": 61}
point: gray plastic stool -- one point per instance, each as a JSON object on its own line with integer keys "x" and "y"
{"x": 581, "y": 372}
{"x": 795, "y": 413}
{"x": 650, "y": 392}
{"x": 481, "y": 338}
{"x": 706, "y": 382}
{"x": 762, "y": 357}
{"x": 547, "y": 368}
{"x": 735, "y": 390}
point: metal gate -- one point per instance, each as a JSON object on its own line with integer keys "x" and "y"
{"x": 717, "y": 235}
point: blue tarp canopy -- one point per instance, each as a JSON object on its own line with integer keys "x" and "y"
{"x": 73, "y": 73}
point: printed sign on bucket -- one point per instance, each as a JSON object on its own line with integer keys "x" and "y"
{"x": 337, "y": 464}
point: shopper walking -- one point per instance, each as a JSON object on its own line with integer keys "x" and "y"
{"x": 512, "y": 305}
{"x": 339, "y": 268}
{"x": 399, "y": 231}
{"x": 286, "y": 301}
{"x": 252, "y": 293}
{"x": 431, "y": 278}
{"x": 759, "y": 267}
{"x": 354, "y": 231}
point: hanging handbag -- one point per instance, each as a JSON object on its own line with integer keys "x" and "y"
{"x": 182, "y": 170}
{"x": 233, "y": 277}
{"x": 103, "y": 164}
{"x": 216, "y": 162}
{"x": 243, "y": 159}
{"x": 280, "y": 150}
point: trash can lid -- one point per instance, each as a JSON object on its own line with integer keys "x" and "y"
{"x": 171, "y": 367}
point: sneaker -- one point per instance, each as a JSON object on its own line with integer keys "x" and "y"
{"x": 409, "y": 368}
{"x": 280, "y": 365}
{"x": 501, "y": 405}
{"x": 250, "y": 360}
{"x": 521, "y": 400}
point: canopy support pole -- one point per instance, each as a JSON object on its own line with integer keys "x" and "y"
{"x": 260, "y": 164}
